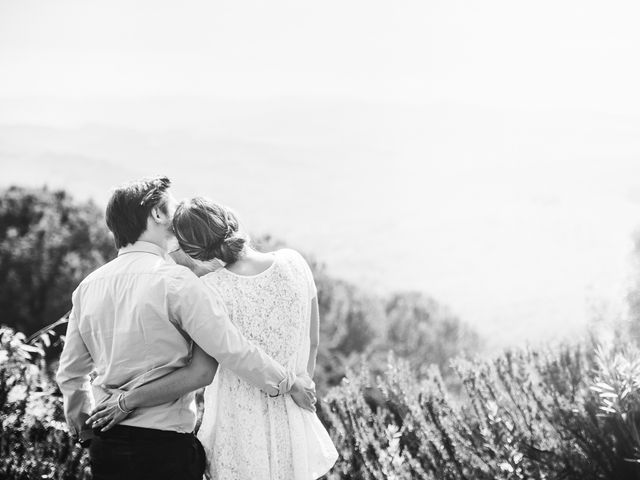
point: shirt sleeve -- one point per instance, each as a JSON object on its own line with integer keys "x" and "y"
{"x": 73, "y": 377}
{"x": 199, "y": 312}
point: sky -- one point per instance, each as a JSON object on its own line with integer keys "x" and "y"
{"x": 577, "y": 53}
{"x": 487, "y": 153}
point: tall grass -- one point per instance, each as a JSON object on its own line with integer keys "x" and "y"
{"x": 567, "y": 413}
{"x": 526, "y": 414}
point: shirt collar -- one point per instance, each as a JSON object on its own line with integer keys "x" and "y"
{"x": 145, "y": 247}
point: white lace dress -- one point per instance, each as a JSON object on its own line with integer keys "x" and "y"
{"x": 246, "y": 434}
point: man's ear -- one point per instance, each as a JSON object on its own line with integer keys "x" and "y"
{"x": 155, "y": 214}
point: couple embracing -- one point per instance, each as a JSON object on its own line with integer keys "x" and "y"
{"x": 151, "y": 327}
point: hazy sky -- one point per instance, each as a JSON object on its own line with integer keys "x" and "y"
{"x": 486, "y": 152}
{"x": 558, "y": 53}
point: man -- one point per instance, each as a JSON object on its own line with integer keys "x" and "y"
{"x": 133, "y": 321}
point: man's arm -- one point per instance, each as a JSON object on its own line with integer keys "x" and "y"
{"x": 199, "y": 373}
{"x": 73, "y": 378}
{"x": 200, "y": 313}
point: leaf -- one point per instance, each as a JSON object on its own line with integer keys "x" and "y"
{"x": 604, "y": 386}
{"x": 31, "y": 348}
{"x": 609, "y": 395}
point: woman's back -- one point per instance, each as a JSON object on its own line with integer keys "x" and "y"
{"x": 270, "y": 308}
{"x": 246, "y": 433}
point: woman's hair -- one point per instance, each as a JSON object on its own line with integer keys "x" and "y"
{"x": 207, "y": 230}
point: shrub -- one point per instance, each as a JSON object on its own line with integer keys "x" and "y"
{"x": 34, "y": 442}
{"x": 524, "y": 415}
{"x": 48, "y": 243}
{"x": 566, "y": 413}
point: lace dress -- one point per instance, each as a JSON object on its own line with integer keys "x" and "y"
{"x": 246, "y": 434}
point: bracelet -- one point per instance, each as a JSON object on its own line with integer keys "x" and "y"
{"x": 122, "y": 406}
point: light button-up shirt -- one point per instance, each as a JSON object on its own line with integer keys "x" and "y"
{"x": 132, "y": 322}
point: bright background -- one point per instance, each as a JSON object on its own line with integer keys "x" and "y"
{"x": 487, "y": 153}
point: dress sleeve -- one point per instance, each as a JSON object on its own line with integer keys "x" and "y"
{"x": 311, "y": 284}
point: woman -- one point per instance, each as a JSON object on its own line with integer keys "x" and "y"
{"x": 271, "y": 298}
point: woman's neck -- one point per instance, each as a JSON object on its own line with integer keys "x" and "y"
{"x": 251, "y": 262}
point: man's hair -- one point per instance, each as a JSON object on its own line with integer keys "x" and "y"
{"x": 130, "y": 206}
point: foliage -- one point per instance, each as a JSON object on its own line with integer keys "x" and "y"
{"x": 570, "y": 413}
{"x": 48, "y": 243}
{"x": 526, "y": 414}
{"x": 34, "y": 442}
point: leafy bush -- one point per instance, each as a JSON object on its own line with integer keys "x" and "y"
{"x": 48, "y": 243}
{"x": 569, "y": 413}
{"x": 34, "y": 442}
{"x": 523, "y": 415}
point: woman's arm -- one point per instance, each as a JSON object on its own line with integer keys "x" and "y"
{"x": 314, "y": 335}
{"x": 197, "y": 374}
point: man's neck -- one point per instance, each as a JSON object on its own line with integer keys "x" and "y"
{"x": 160, "y": 242}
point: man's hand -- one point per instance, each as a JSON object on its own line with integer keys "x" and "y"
{"x": 107, "y": 414}
{"x": 303, "y": 393}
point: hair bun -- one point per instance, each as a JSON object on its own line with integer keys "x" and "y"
{"x": 231, "y": 248}
{"x": 207, "y": 230}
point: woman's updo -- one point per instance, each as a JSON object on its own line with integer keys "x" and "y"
{"x": 206, "y": 230}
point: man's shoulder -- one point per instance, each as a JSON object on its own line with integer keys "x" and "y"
{"x": 98, "y": 273}
{"x": 178, "y": 272}
{"x": 160, "y": 270}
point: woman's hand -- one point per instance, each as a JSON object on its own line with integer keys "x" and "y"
{"x": 303, "y": 392}
{"x": 107, "y": 414}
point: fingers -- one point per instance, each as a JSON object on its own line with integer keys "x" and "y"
{"x": 310, "y": 404}
{"x": 312, "y": 399}
{"x": 100, "y": 418}
{"x": 109, "y": 425}
{"x": 96, "y": 416}
{"x": 99, "y": 408}
{"x": 100, "y": 422}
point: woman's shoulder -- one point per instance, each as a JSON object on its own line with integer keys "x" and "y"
{"x": 301, "y": 268}
{"x": 295, "y": 258}
{"x": 291, "y": 255}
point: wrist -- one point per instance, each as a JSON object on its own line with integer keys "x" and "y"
{"x": 122, "y": 405}
{"x": 130, "y": 400}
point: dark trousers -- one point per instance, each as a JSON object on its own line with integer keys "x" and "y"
{"x": 132, "y": 453}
